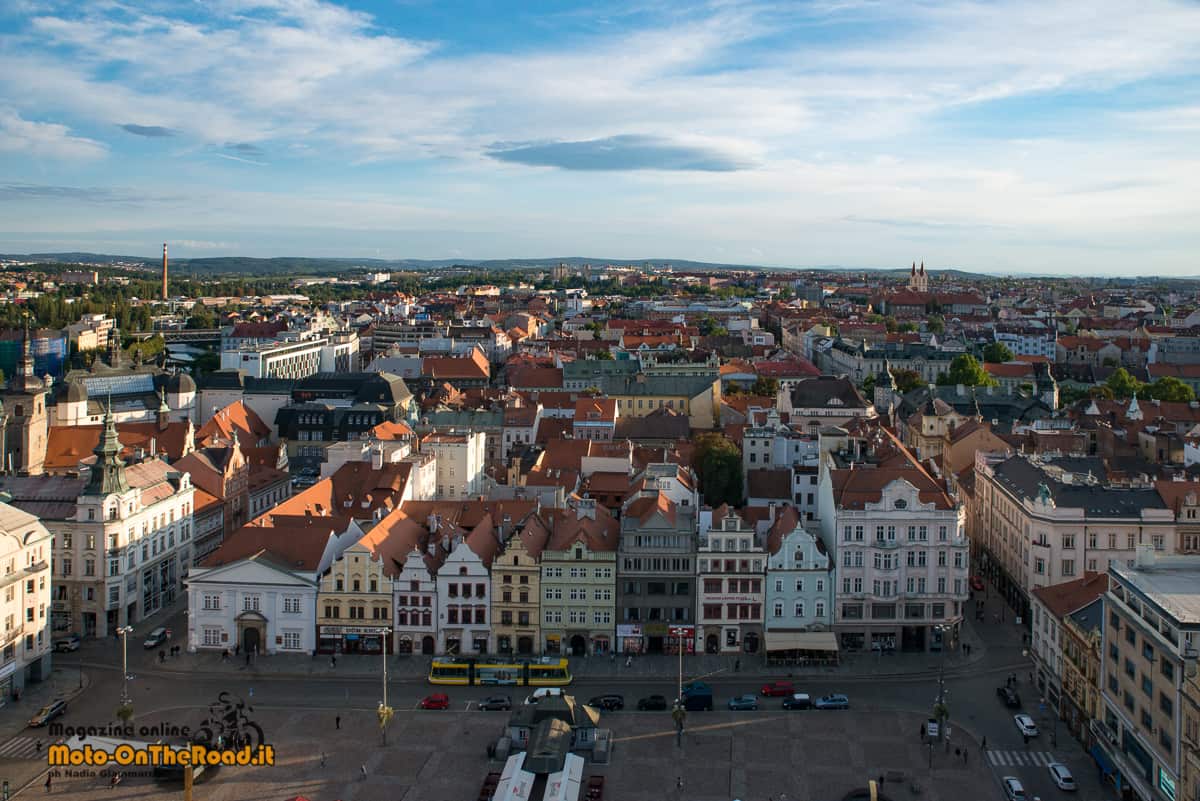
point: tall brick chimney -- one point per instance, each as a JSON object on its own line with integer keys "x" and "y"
{"x": 164, "y": 291}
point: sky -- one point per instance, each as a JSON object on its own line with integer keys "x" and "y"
{"x": 1041, "y": 136}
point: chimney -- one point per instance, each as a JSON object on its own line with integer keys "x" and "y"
{"x": 771, "y": 511}
{"x": 164, "y": 275}
{"x": 377, "y": 457}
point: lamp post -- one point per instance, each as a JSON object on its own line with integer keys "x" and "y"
{"x": 125, "y": 631}
{"x": 385, "y": 711}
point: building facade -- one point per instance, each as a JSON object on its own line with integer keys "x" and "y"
{"x": 657, "y": 582}
{"x": 579, "y": 579}
{"x": 27, "y": 640}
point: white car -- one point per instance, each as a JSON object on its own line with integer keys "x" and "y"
{"x": 1061, "y": 776}
{"x": 1013, "y": 789}
{"x": 543, "y": 692}
{"x": 1026, "y": 725}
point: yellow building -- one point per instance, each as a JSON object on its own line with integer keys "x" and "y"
{"x": 516, "y": 584}
{"x": 354, "y": 601}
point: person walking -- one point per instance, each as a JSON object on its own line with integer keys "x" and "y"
{"x": 983, "y": 745}
{"x": 48, "y": 780}
{"x": 363, "y": 771}
{"x": 337, "y": 722}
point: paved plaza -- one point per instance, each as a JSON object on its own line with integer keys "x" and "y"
{"x": 441, "y": 756}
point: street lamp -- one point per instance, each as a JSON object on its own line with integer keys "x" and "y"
{"x": 125, "y": 631}
{"x": 385, "y": 712}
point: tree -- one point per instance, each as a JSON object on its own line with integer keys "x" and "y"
{"x": 997, "y": 352}
{"x": 966, "y": 370}
{"x": 719, "y": 464}
{"x": 719, "y": 331}
{"x": 907, "y": 380}
{"x": 604, "y": 355}
{"x": 868, "y": 385}
{"x": 765, "y": 386}
{"x": 201, "y": 318}
{"x": 1123, "y": 385}
{"x": 1170, "y": 388}
{"x": 907, "y": 327}
{"x": 935, "y": 324}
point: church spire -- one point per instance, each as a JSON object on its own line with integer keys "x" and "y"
{"x": 108, "y": 474}
{"x": 114, "y": 348}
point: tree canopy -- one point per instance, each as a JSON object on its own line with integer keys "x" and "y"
{"x": 1123, "y": 385}
{"x": 718, "y": 462}
{"x": 966, "y": 370}
{"x": 997, "y": 352}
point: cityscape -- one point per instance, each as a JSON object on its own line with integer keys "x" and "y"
{"x": 696, "y": 402}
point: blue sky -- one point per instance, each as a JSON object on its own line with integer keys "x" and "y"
{"x": 995, "y": 136}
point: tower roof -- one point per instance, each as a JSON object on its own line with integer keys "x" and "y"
{"x": 108, "y": 474}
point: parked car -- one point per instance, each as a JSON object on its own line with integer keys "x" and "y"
{"x": 1013, "y": 789}
{"x": 436, "y": 701}
{"x": 698, "y": 701}
{"x": 1009, "y": 696}
{"x": 778, "y": 688}
{"x": 652, "y": 703}
{"x": 155, "y": 638}
{"x": 833, "y": 701}
{"x": 48, "y": 713}
{"x": 68, "y": 643}
{"x": 977, "y": 583}
{"x": 496, "y": 703}
{"x": 609, "y": 703}
{"x": 1061, "y": 776}
{"x": 543, "y": 692}
{"x": 696, "y": 687}
{"x": 1026, "y": 725}
{"x": 797, "y": 701}
{"x": 932, "y": 729}
{"x": 743, "y": 702}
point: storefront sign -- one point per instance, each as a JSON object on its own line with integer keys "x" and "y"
{"x": 353, "y": 630}
{"x": 629, "y": 630}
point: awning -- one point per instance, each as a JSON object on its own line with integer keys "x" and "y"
{"x": 801, "y": 641}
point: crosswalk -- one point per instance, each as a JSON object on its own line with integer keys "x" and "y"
{"x": 1020, "y": 757}
{"x": 22, "y": 748}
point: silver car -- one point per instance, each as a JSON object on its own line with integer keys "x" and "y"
{"x": 1061, "y": 776}
{"x": 1013, "y": 789}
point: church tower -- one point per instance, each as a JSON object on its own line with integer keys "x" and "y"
{"x": 885, "y": 394}
{"x": 26, "y": 427}
{"x": 918, "y": 279}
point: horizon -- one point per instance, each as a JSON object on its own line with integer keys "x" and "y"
{"x": 1018, "y": 138}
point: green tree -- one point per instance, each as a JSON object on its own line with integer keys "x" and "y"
{"x": 719, "y": 331}
{"x": 1123, "y": 385}
{"x": 935, "y": 324}
{"x": 997, "y": 352}
{"x": 907, "y": 380}
{"x": 966, "y": 370}
{"x": 604, "y": 355}
{"x": 201, "y": 318}
{"x": 765, "y": 386}
{"x": 718, "y": 462}
{"x": 1169, "y": 388}
{"x": 734, "y": 388}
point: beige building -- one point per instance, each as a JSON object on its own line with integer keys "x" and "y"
{"x": 1081, "y": 637}
{"x": 516, "y": 588}
{"x": 460, "y": 462}
{"x": 354, "y": 598}
{"x": 25, "y": 645}
{"x": 1151, "y": 628}
{"x": 1040, "y": 521}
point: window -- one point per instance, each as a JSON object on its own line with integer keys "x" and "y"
{"x": 1167, "y": 669}
{"x": 799, "y": 609}
{"x": 799, "y": 585}
{"x": 291, "y": 605}
{"x": 1147, "y": 686}
{"x": 250, "y": 603}
{"x": 941, "y": 558}
{"x": 1166, "y": 705}
{"x": 291, "y": 640}
{"x": 1068, "y": 567}
{"x": 212, "y": 602}
{"x": 212, "y": 637}
{"x": 777, "y": 610}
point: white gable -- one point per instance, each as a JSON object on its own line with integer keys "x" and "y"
{"x": 250, "y": 572}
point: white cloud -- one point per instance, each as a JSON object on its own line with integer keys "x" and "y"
{"x": 24, "y": 137}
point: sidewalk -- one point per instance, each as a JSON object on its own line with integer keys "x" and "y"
{"x": 65, "y": 683}
{"x": 643, "y": 667}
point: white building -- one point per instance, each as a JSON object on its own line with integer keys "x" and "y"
{"x": 1032, "y": 339}
{"x": 460, "y": 462}
{"x": 294, "y": 356}
{"x": 464, "y": 587}
{"x": 901, "y": 548}
{"x": 123, "y": 537}
{"x": 25, "y": 646}
{"x": 800, "y": 577}
{"x": 259, "y": 589}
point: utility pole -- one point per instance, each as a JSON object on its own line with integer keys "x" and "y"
{"x": 125, "y": 631}
{"x": 385, "y": 712}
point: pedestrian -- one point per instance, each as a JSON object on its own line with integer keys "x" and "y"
{"x": 39, "y": 746}
{"x": 237, "y": 648}
{"x": 47, "y": 782}
{"x": 678, "y": 782}
{"x": 983, "y": 745}
{"x": 322, "y": 759}
{"x": 880, "y": 779}
{"x": 363, "y": 770}
{"x": 114, "y": 781}
{"x": 737, "y": 664}
{"x": 337, "y": 722}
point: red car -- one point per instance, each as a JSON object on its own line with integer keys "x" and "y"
{"x": 778, "y": 688}
{"x": 436, "y": 701}
{"x": 977, "y": 583}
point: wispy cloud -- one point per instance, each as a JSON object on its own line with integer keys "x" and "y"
{"x": 244, "y": 148}
{"x": 624, "y": 152}
{"x": 44, "y": 139}
{"x": 242, "y": 160}
{"x": 149, "y": 131}
{"x": 85, "y": 194}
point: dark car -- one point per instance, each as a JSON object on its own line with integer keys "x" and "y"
{"x": 608, "y": 703}
{"x": 1009, "y": 696}
{"x": 797, "y": 701}
{"x": 155, "y": 638}
{"x": 496, "y": 703}
{"x": 48, "y": 713}
{"x": 741, "y": 702}
{"x": 652, "y": 703}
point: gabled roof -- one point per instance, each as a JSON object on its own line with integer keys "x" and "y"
{"x": 67, "y": 446}
{"x": 1071, "y": 596}
{"x": 238, "y": 417}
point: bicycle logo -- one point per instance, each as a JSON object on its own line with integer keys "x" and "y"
{"x": 228, "y": 726}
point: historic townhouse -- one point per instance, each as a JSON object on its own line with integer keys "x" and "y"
{"x": 516, "y": 585}
{"x": 901, "y": 548}
{"x": 731, "y": 560}
{"x": 579, "y": 578}
{"x": 799, "y": 586}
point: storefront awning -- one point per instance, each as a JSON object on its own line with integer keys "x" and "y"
{"x": 801, "y": 641}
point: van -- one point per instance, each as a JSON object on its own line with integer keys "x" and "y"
{"x": 698, "y": 702}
